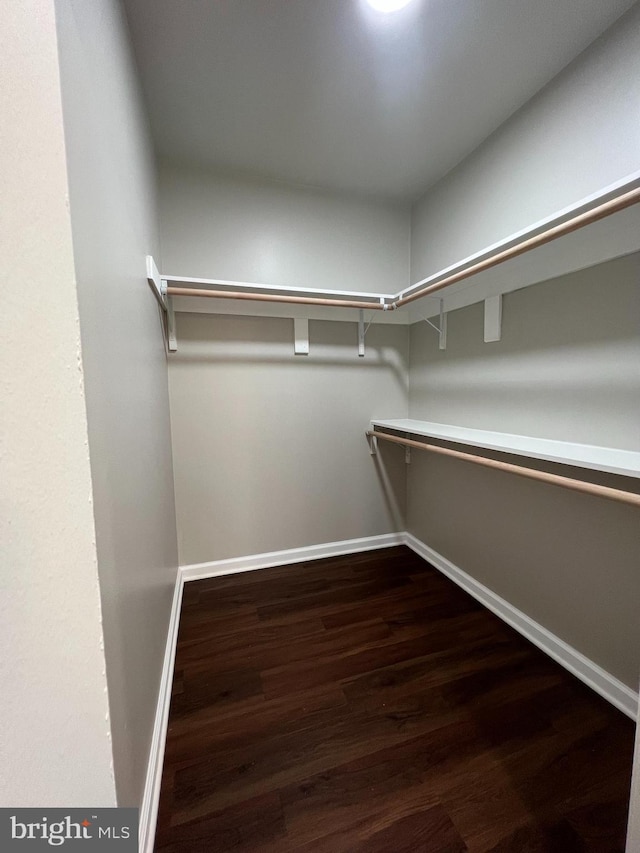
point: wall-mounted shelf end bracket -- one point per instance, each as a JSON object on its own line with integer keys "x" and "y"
{"x": 156, "y": 283}
{"x": 158, "y": 287}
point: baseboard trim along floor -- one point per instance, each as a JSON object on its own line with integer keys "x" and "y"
{"x": 151, "y": 798}
{"x": 605, "y": 684}
{"x": 609, "y": 687}
{"x": 199, "y": 571}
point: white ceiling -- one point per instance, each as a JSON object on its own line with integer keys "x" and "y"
{"x": 331, "y": 94}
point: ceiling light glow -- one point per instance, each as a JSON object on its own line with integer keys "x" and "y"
{"x": 388, "y": 5}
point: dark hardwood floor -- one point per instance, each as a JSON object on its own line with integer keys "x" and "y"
{"x": 366, "y": 703}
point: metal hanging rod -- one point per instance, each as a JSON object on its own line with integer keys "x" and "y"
{"x": 189, "y": 281}
{"x": 520, "y": 470}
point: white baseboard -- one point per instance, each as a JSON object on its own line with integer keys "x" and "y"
{"x": 609, "y": 687}
{"x": 199, "y": 571}
{"x": 151, "y": 798}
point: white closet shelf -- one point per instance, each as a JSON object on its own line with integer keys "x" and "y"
{"x": 609, "y": 459}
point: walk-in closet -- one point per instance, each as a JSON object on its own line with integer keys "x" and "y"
{"x": 321, "y": 421}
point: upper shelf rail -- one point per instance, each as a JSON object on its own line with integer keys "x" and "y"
{"x": 189, "y": 281}
{"x": 580, "y": 221}
{"x": 627, "y": 194}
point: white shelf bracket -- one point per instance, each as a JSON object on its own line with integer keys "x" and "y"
{"x": 362, "y": 330}
{"x": 157, "y": 284}
{"x": 492, "y": 319}
{"x": 158, "y": 287}
{"x": 442, "y": 344}
{"x": 441, "y": 329}
{"x": 373, "y": 444}
{"x": 301, "y": 336}
{"x": 172, "y": 340}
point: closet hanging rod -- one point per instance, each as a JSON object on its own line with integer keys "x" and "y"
{"x": 520, "y": 470}
{"x": 269, "y": 297}
{"x": 580, "y": 221}
{"x": 253, "y": 287}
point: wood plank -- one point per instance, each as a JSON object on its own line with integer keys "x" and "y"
{"x": 366, "y": 703}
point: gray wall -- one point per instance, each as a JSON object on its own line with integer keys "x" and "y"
{"x": 577, "y": 136}
{"x": 113, "y": 218}
{"x": 55, "y": 749}
{"x": 269, "y": 448}
{"x": 235, "y": 228}
{"x": 566, "y": 368}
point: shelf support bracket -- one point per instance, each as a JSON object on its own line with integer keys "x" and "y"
{"x": 441, "y": 329}
{"x": 493, "y": 319}
{"x": 172, "y": 340}
{"x": 442, "y": 344}
{"x": 407, "y": 451}
{"x": 301, "y": 336}
{"x": 373, "y": 444}
{"x": 158, "y": 287}
{"x": 362, "y": 330}
{"x": 156, "y": 283}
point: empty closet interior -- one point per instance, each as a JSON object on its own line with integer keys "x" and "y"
{"x": 347, "y": 281}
